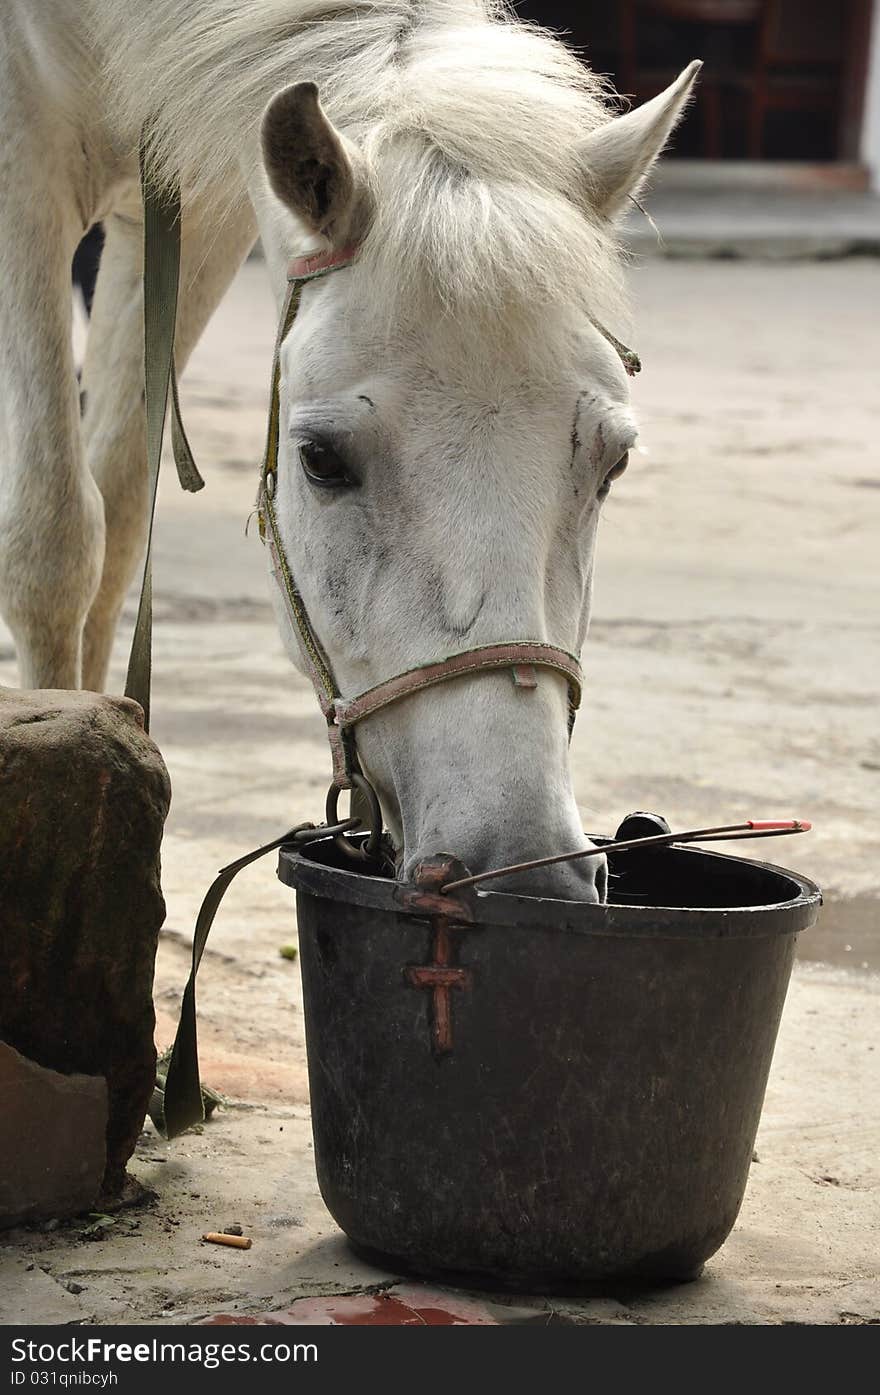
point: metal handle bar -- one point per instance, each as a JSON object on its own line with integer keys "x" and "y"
{"x": 753, "y": 828}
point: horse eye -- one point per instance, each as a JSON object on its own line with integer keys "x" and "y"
{"x": 323, "y": 465}
{"x": 614, "y": 473}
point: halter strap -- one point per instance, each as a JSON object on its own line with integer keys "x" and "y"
{"x": 522, "y": 657}
{"x": 628, "y": 357}
{"x": 315, "y": 264}
{"x": 519, "y": 655}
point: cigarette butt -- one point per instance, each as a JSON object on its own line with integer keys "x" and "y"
{"x": 236, "y": 1242}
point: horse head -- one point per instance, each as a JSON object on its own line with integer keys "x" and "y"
{"x": 452, "y": 417}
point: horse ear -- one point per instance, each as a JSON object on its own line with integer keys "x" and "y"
{"x": 618, "y": 156}
{"x": 313, "y": 169}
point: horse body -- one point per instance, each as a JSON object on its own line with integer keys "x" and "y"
{"x": 451, "y": 415}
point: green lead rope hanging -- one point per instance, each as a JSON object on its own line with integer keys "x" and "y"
{"x": 183, "y": 1096}
{"x": 161, "y": 281}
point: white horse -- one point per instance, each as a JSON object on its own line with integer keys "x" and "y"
{"x": 451, "y": 416}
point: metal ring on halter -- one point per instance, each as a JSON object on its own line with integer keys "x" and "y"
{"x": 370, "y": 847}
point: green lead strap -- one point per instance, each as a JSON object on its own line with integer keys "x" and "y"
{"x": 183, "y": 1104}
{"x": 187, "y": 470}
{"x": 161, "y": 279}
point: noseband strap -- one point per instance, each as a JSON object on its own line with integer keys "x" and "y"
{"x": 521, "y": 657}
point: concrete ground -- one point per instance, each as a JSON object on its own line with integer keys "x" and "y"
{"x": 732, "y": 671}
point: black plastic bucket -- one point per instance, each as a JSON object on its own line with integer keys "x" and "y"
{"x": 591, "y": 1108}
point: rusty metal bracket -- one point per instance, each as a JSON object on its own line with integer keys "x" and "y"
{"x": 446, "y": 915}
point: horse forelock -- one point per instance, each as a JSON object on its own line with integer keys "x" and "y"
{"x": 470, "y": 123}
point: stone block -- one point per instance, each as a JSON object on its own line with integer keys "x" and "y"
{"x": 83, "y": 799}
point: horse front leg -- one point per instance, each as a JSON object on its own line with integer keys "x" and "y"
{"x": 113, "y": 382}
{"x": 51, "y": 516}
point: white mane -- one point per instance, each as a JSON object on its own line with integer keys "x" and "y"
{"x": 471, "y": 122}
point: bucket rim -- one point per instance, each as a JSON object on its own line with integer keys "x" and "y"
{"x": 494, "y": 908}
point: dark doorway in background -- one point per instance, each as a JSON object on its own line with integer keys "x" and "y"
{"x": 783, "y": 79}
